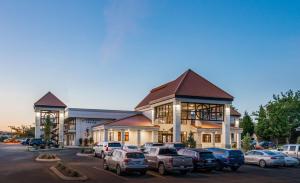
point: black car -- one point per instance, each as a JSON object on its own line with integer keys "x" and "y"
{"x": 228, "y": 158}
{"x": 202, "y": 159}
{"x": 37, "y": 142}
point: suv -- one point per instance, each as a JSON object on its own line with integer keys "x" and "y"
{"x": 125, "y": 161}
{"x": 102, "y": 149}
{"x": 37, "y": 142}
{"x": 146, "y": 147}
{"x": 176, "y": 145}
{"x": 202, "y": 159}
{"x": 232, "y": 159}
{"x": 166, "y": 159}
{"x": 292, "y": 150}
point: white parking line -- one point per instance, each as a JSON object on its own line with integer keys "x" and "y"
{"x": 155, "y": 174}
{"x": 111, "y": 173}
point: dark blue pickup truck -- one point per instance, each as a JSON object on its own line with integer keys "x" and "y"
{"x": 227, "y": 158}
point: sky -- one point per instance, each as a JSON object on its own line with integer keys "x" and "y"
{"x": 109, "y": 54}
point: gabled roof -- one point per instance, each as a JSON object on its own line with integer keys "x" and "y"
{"x": 234, "y": 112}
{"x": 138, "y": 120}
{"x": 189, "y": 85}
{"x": 49, "y": 100}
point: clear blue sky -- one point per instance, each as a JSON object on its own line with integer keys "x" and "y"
{"x": 109, "y": 54}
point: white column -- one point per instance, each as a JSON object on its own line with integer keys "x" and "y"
{"x": 154, "y": 136}
{"x": 238, "y": 140}
{"x": 199, "y": 140}
{"x": 123, "y": 136}
{"x": 138, "y": 137}
{"x": 152, "y": 115}
{"x": 226, "y": 128}
{"x": 37, "y": 124}
{"x": 213, "y": 139}
{"x": 176, "y": 121}
{"x": 61, "y": 127}
{"x": 105, "y": 135}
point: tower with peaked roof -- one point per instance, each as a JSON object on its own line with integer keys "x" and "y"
{"x": 49, "y": 106}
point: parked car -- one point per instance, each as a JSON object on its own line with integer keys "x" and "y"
{"x": 265, "y": 145}
{"x": 130, "y": 148}
{"x": 125, "y": 161}
{"x": 264, "y": 158}
{"x": 202, "y": 159}
{"x": 292, "y": 150}
{"x": 26, "y": 141}
{"x": 146, "y": 147}
{"x": 103, "y": 148}
{"x": 165, "y": 159}
{"x": 227, "y": 158}
{"x": 37, "y": 142}
{"x": 288, "y": 161}
{"x": 176, "y": 145}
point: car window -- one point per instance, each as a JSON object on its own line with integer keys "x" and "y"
{"x": 114, "y": 145}
{"x": 298, "y": 148}
{"x": 179, "y": 145}
{"x": 285, "y": 148}
{"x": 258, "y": 153}
{"x": 131, "y": 147}
{"x": 270, "y": 153}
{"x": 206, "y": 155}
{"x": 152, "y": 151}
{"x": 155, "y": 145}
{"x": 170, "y": 151}
{"x": 181, "y": 151}
{"x": 292, "y": 148}
{"x": 250, "y": 153}
{"x": 135, "y": 155}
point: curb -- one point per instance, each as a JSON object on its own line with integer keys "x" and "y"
{"x": 63, "y": 177}
{"x": 47, "y": 160}
{"x": 84, "y": 155}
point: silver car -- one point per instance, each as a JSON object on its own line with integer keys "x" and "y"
{"x": 289, "y": 161}
{"x": 264, "y": 158}
{"x": 125, "y": 161}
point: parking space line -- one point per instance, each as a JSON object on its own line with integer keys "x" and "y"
{"x": 155, "y": 174}
{"x": 111, "y": 173}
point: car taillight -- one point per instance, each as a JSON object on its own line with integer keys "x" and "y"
{"x": 126, "y": 161}
{"x": 171, "y": 161}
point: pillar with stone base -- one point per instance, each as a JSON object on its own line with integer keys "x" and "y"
{"x": 176, "y": 121}
{"x": 226, "y": 128}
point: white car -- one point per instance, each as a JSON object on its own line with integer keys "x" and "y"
{"x": 292, "y": 150}
{"x": 104, "y": 148}
{"x": 289, "y": 161}
{"x": 130, "y": 148}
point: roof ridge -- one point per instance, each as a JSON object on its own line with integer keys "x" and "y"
{"x": 182, "y": 79}
{"x": 122, "y": 119}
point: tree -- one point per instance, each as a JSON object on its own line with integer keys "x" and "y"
{"x": 47, "y": 129}
{"x": 263, "y": 128}
{"x": 247, "y": 125}
{"x": 246, "y": 142}
{"x": 191, "y": 141}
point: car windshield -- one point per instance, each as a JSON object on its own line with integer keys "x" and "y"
{"x": 269, "y": 153}
{"x": 135, "y": 155}
{"x": 157, "y": 144}
{"x": 114, "y": 145}
{"x": 168, "y": 151}
{"x": 206, "y": 155}
{"x": 131, "y": 147}
{"x": 179, "y": 145}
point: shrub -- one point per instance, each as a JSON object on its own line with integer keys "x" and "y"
{"x": 86, "y": 141}
{"x": 246, "y": 142}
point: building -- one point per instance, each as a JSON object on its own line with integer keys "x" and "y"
{"x": 168, "y": 113}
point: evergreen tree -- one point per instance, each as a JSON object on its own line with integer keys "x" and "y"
{"x": 47, "y": 129}
{"x": 191, "y": 141}
{"x": 263, "y": 128}
{"x": 247, "y": 125}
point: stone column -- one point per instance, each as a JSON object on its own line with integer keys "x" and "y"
{"x": 105, "y": 135}
{"x": 138, "y": 137}
{"x": 213, "y": 139}
{"x": 154, "y": 136}
{"x": 37, "y": 124}
{"x": 176, "y": 121}
{"x": 123, "y": 137}
{"x": 226, "y": 128}
{"x": 61, "y": 128}
{"x": 238, "y": 140}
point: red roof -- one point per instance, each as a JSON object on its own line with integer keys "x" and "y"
{"x": 234, "y": 112}
{"x": 138, "y": 120}
{"x": 189, "y": 85}
{"x": 49, "y": 100}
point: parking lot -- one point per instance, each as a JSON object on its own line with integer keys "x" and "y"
{"x": 17, "y": 164}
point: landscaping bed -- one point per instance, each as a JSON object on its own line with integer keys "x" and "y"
{"x": 67, "y": 173}
{"x": 86, "y": 152}
{"x": 47, "y": 157}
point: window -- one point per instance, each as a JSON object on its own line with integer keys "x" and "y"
{"x": 292, "y": 148}
{"x": 119, "y": 136}
{"x": 194, "y": 111}
{"x": 206, "y": 138}
{"x": 152, "y": 151}
{"x": 126, "y": 136}
{"x": 217, "y": 138}
{"x": 164, "y": 114}
{"x": 285, "y": 148}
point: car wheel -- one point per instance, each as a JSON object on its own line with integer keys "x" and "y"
{"x": 234, "y": 168}
{"x": 118, "y": 170}
{"x": 219, "y": 166}
{"x": 105, "y": 165}
{"x": 183, "y": 172}
{"x": 161, "y": 169}
{"x": 262, "y": 163}
{"x": 143, "y": 172}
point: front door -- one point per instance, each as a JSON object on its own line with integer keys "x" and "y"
{"x": 165, "y": 137}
